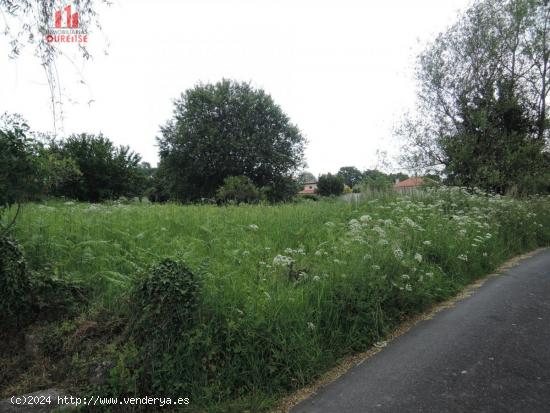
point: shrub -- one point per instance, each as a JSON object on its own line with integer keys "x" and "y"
{"x": 164, "y": 301}
{"x": 163, "y": 307}
{"x": 238, "y": 189}
{"x": 330, "y": 185}
{"x": 26, "y": 294}
{"x": 282, "y": 189}
{"x": 15, "y": 306}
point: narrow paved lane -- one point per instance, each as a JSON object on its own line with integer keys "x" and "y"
{"x": 489, "y": 353}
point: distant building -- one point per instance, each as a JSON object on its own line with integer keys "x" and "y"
{"x": 310, "y": 187}
{"x": 412, "y": 184}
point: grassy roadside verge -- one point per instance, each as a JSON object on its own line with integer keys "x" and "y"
{"x": 284, "y": 292}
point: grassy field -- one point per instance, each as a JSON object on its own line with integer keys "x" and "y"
{"x": 285, "y": 291}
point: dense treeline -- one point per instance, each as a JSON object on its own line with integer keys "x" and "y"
{"x": 85, "y": 167}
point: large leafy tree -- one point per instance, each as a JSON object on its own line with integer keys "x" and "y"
{"x": 18, "y": 166}
{"x": 330, "y": 184}
{"x": 351, "y": 175}
{"x": 482, "y": 113}
{"x": 227, "y": 129}
{"x": 106, "y": 171}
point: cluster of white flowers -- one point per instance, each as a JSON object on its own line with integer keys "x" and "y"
{"x": 379, "y": 231}
{"x": 253, "y": 227}
{"x": 418, "y": 257}
{"x": 282, "y": 260}
{"x": 297, "y": 251}
{"x": 463, "y": 257}
{"x": 398, "y": 253}
{"x": 412, "y": 224}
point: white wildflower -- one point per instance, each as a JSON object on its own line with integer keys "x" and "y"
{"x": 398, "y": 253}
{"x": 463, "y": 257}
{"x": 365, "y": 218}
{"x": 253, "y": 227}
{"x": 310, "y": 325}
{"x": 427, "y": 242}
{"x": 418, "y": 257}
{"x": 282, "y": 260}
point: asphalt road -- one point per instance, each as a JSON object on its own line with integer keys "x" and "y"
{"x": 488, "y": 353}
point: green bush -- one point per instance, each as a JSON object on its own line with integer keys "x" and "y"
{"x": 15, "y": 306}
{"x": 163, "y": 306}
{"x": 164, "y": 301}
{"x": 282, "y": 189}
{"x": 238, "y": 189}
{"x": 330, "y": 185}
{"x": 27, "y": 295}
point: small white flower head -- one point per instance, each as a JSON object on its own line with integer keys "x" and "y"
{"x": 418, "y": 257}
{"x": 405, "y": 276}
{"x": 398, "y": 253}
{"x": 383, "y": 241}
{"x": 379, "y": 231}
{"x": 310, "y": 325}
{"x": 318, "y": 253}
{"x": 365, "y": 218}
{"x": 430, "y": 274}
{"x": 282, "y": 260}
{"x": 375, "y": 267}
{"x": 330, "y": 224}
{"x": 316, "y": 278}
{"x": 485, "y": 254}
{"x": 463, "y": 257}
{"x": 408, "y": 287}
{"x": 367, "y": 257}
{"x": 253, "y": 227}
{"x": 427, "y": 242}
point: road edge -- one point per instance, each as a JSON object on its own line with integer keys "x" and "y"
{"x": 346, "y": 363}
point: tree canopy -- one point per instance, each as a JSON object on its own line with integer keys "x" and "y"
{"x": 351, "y": 175}
{"x": 482, "y": 113}
{"x": 226, "y": 129}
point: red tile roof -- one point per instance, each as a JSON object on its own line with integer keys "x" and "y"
{"x": 411, "y": 182}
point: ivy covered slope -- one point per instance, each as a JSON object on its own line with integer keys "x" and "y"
{"x": 235, "y": 306}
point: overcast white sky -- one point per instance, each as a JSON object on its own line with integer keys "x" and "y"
{"x": 342, "y": 70}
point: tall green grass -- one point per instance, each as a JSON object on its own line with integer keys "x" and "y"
{"x": 285, "y": 290}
